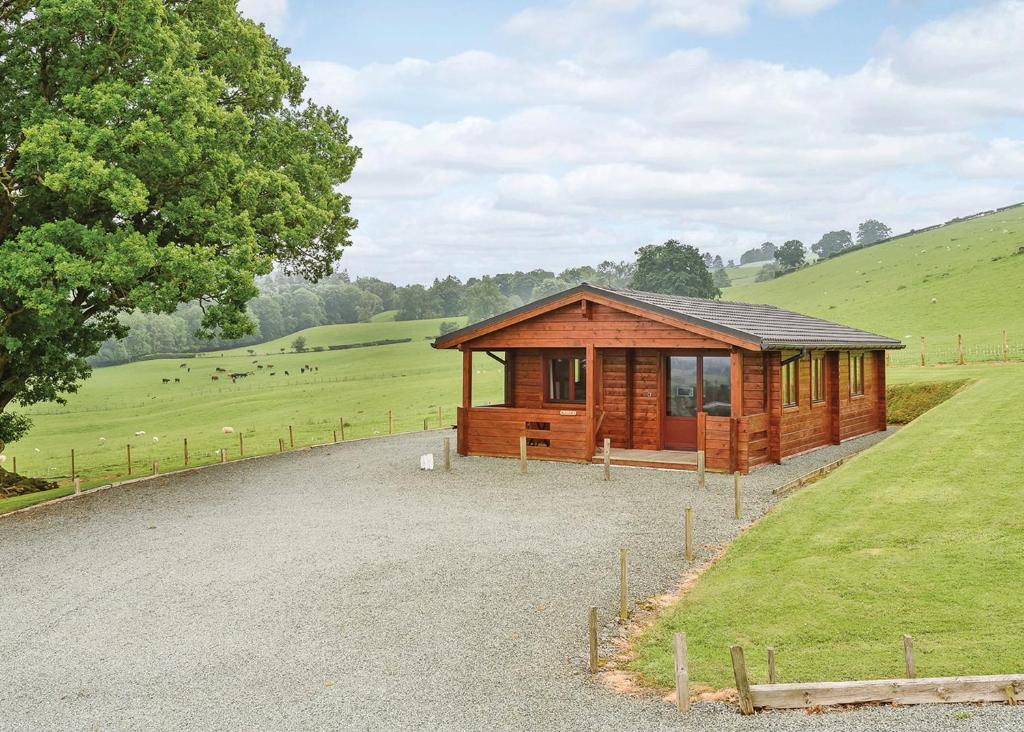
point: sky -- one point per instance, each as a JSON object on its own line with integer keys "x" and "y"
{"x": 503, "y": 136}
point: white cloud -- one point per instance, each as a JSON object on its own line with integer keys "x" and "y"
{"x": 801, "y": 7}
{"x": 272, "y": 13}
{"x": 480, "y": 162}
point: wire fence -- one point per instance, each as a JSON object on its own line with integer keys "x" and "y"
{"x": 955, "y": 350}
{"x": 98, "y": 461}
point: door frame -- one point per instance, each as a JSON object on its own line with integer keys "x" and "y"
{"x": 663, "y": 376}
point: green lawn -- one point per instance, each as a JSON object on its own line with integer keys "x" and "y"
{"x": 974, "y": 270}
{"x": 359, "y": 384}
{"x": 921, "y": 534}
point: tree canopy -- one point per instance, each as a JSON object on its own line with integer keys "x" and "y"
{"x": 871, "y": 231}
{"x": 151, "y": 153}
{"x": 791, "y": 255}
{"x": 832, "y": 243}
{"x": 673, "y": 269}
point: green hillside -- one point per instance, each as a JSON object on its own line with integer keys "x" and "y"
{"x": 963, "y": 278}
{"x": 359, "y": 384}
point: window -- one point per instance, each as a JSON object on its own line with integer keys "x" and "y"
{"x": 856, "y": 374}
{"x": 717, "y": 385}
{"x": 789, "y": 383}
{"x": 567, "y": 379}
{"x": 817, "y": 378}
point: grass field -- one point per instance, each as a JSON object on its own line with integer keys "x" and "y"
{"x": 974, "y": 270}
{"x": 359, "y": 384}
{"x": 921, "y": 535}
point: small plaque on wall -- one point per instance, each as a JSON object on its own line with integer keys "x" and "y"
{"x": 567, "y": 412}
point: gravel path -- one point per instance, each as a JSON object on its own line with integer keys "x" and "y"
{"x": 343, "y": 588}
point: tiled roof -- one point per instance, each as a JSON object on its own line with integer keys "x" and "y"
{"x": 773, "y": 328}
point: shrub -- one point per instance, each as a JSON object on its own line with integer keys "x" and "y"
{"x": 906, "y": 402}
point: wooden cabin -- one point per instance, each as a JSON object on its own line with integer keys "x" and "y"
{"x": 663, "y": 376}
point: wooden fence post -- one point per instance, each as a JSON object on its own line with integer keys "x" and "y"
{"x": 689, "y": 533}
{"x": 623, "y": 586}
{"x": 335, "y": 434}
{"x": 607, "y": 458}
{"x": 280, "y": 444}
{"x": 425, "y": 427}
{"x": 156, "y": 468}
{"x": 391, "y": 422}
{"x": 129, "y": 459}
{"x": 1006, "y": 347}
{"x": 592, "y": 637}
{"x": 682, "y": 672}
{"x": 922, "y": 351}
{"x": 341, "y": 422}
{"x": 737, "y": 495}
{"x": 700, "y": 470}
{"x": 185, "y": 449}
{"x": 291, "y": 437}
{"x": 447, "y": 453}
{"x": 739, "y": 670}
{"x": 522, "y": 455}
{"x": 440, "y": 421}
{"x": 73, "y": 472}
{"x": 908, "y": 655}
{"x": 960, "y": 348}
{"x": 771, "y": 665}
{"x": 78, "y": 485}
{"x": 223, "y": 455}
{"x": 241, "y": 446}
{"x": 14, "y": 464}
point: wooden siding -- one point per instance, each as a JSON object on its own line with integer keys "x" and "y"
{"x": 645, "y": 414}
{"x": 496, "y": 431}
{"x": 613, "y": 398}
{"x": 806, "y": 425}
{"x": 858, "y": 415}
{"x": 602, "y": 326}
{"x": 528, "y": 379}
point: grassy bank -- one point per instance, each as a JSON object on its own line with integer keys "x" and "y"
{"x": 920, "y": 535}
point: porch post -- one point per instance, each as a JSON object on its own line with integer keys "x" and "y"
{"x": 591, "y": 401}
{"x": 467, "y": 378}
{"x": 736, "y": 463}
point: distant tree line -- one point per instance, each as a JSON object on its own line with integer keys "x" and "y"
{"x": 793, "y": 254}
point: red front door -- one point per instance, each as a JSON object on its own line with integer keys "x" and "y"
{"x": 681, "y": 400}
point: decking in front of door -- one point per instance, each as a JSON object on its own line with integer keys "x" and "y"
{"x": 672, "y": 459}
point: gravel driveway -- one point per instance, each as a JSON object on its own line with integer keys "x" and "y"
{"x": 342, "y": 588}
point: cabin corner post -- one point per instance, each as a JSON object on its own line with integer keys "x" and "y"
{"x": 774, "y": 365}
{"x": 736, "y": 433}
{"x": 462, "y": 421}
{"x": 883, "y": 421}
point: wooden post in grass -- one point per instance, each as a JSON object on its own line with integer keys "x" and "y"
{"x": 522, "y": 455}
{"x": 425, "y": 426}
{"x": 129, "y": 459}
{"x": 341, "y": 423}
{"x": 922, "y": 351}
{"x": 739, "y": 670}
{"x": 14, "y": 464}
{"x": 960, "y": 348}
{"x": 682, "y": 672}
{"x": 737, "y": 495}
{"x": 908, "y": 655}
{"x": 391, "y": 422}
{"x": 623, "y": 586}
{"x": 607, "y": 458}
{"x": 335, "y": 433}
{"x": 592, "y": 636}
{"x": 156, "y": 468}
{"x": 447, "y": 453}
{"x": 280, "y": 444}
{"x": 771, "y": 665}
{"x": 689, "y": 534}
{"x": 1006, "y": 347}
{"x": 440, "y": 422}
{"x": 223, "y": 455}
{"x": 73, "y": 473}
{"x": 241, "y": 446}
{"x": 291, "y": 437}
{"x": 700, "y": 470}
{"x": 78, "y": 485}
{"x": 185, "y": 449}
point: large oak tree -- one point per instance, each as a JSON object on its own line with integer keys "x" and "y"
{"x": 152, "y": 152}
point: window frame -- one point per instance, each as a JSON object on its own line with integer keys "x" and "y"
{"x": 856, "y": 374}
{"x": 793, "y": 366}
{"x": 818, "y": 384}
{"x": 549, "y": 358}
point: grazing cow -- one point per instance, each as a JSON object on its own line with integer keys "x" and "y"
{"x": 259, "y": 367}
{"x": 302, "y": 370}
{"x": 166, "y": 381}
{"x": 183, "y": 366}
{"x": 273, "y": 373}
{"x": 270, "y": 365}
{"x": 221, "y": 370}
{"x": 286, "y": 373}
{"x": 317, "y": 368}
{"x": 214, "y": 377}
{"x": 177, "y": 381}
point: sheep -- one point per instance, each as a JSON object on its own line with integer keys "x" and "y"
{"x": 140, "y": 433}
{"x": 156, "y": 439}
{"x": 227, "y": 430}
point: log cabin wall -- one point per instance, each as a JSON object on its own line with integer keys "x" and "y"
{"x": 613, "y": 398}
{"x": 528, "y": 378}
{"x": 806, "y": 425}
{"x": 645, "y": 416}
{"x": 859, "y": 415}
